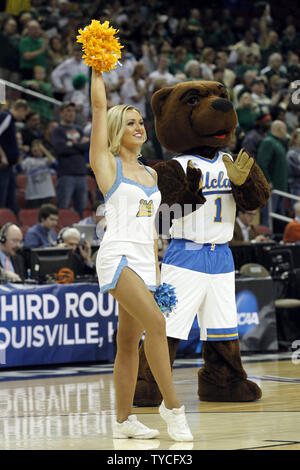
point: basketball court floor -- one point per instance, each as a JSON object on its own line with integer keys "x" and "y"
{"x": 72, "y": 408}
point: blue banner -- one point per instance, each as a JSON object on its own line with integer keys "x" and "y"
{"x": 57, "y": 323}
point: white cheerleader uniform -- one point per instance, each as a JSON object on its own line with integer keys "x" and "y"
{"x": 198, "y": 262}
{"x": 130, "y": 210}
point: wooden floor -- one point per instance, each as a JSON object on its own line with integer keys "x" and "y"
{"x": 72, "y": 408}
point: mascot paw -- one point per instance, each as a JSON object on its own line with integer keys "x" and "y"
{"x": 238, "y": 171}
{"x": 147, "y": 394}
{"x": 239, "y": 391}
{"x": 194, "y": 179}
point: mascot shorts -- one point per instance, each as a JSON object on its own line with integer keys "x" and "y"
{"x": 204, "y": 281}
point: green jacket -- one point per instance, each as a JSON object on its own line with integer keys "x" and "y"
{"x": 271, "y": 158}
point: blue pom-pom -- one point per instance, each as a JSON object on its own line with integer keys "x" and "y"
{"x": 165, "y": 298}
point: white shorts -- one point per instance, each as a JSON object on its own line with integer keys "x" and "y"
{"x": 209, "y": 295}
{"x": 112, "y": 257}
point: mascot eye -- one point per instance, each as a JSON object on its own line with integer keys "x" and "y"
{"x": 193, "y": 100}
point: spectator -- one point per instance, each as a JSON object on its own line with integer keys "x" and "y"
{"x": 207, "y": 63}
{"x": 192, "y": 70}
{"x": 290, "y": 40}
{"x": 135, "y": 89}
{"x": 254, "y": 137}
{"x": 149, "y": 57}
{"x": 178, "y": 60}
{"x": 43, "y": 233}
{"x": 248, "y": 62}
{"x": 245, "y": 46}
{"x": 258, "y": 88}
{"x": 244, "y": 85}
{"x": 70, "y": 146}
{"x": 69, "y": 237}
{"x": 293, "y": 161}
{"x": 33, "y": 48}
{"x": 55, "y": 52}
{"x": 162, "y": 71}
{"x": 97, "y": 218}
{"x": 291, "y": 232}
{"x": 39, "y": 84}
{"x": 247, "y": 112}
{"x": 49, "y": 126}
{"x": 10, "y": 152}
{"x": 63, "y": 74}
{"x": 274, "y": 67}
{"x": 12, "y": 263}
{"x": 9, "y": 52}
{"x": 39, "y": 185}
{"x": 245, "y": 231}
{"x": 229, "y": 76}
{"x": 271, "y": 157}
{"x": 32, "y": 128}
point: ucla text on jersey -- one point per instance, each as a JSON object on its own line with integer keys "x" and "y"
{"x": 145, "y": 208}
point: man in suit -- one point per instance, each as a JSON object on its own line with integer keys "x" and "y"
{"x": 245, "y": 231}
{"x": 11, "y": 262}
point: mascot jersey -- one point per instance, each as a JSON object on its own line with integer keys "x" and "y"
{"x": 214, "y": 221}
{"x": 130, "y": 210}
{"x": 198, "y": 262}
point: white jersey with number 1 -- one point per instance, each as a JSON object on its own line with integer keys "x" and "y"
{"x": 213, "y": 222}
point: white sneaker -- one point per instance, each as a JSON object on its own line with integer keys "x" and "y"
{"x": 133, "y": 428}
{"x": 178, "y": 427}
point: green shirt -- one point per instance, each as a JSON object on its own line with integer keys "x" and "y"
{"x": 271, "y": 158}
{"x": 28, "y": 44}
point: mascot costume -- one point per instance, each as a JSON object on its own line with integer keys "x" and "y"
{"x": 195, "y": 120}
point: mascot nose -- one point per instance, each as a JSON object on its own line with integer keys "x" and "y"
{"x": 221, "y": 104}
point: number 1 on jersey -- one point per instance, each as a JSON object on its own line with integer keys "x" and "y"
{"x": 218, "y": 204}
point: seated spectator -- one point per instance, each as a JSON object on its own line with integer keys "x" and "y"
{"x": 249, "y": 62}
{"x": 245, "y": 231}
{"x": 254, "y": 137}
{"x": 293, "y": 161}
{"x": 39, "y": 185}
{"x": 69, "y": 237}
{"x": 55, "y": 52}
{"x": 207, "y": 63}
{"x": 258, "y": 89}
{"x": 11, "y": 262}
{"x": 178, "y": 60}
{"x": 9, "y": 52}
{"x": 275, "y": 67}
{"x": 40, "y": 84}
{"x": 135, "y": 89}
{"x": 97, "y": 218}
{"x": 291, "y": 232}
{"x": 162, "y": 71}
{"x": 33, "y": 48}
{"x": 247, "y": 112}
{"x": 43, "y": 233}
{"x": 229, "y": 75}
{"x": 63, "y": 74}
{"x": 192, "y": 70}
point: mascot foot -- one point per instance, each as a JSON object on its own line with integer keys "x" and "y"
{"x": 222, "y": 377}
{"x": 147, "y": 392}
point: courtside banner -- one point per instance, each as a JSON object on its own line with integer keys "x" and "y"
{"x": 256, "y": 314}
{"x": 57, "y": 323}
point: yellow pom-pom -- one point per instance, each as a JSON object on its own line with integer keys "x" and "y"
{"x": 101, "y": 49}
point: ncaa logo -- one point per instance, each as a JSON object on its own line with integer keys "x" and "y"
{"x": 247, "y": 311}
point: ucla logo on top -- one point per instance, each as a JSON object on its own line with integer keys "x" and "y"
{"x": 146, "y": 208}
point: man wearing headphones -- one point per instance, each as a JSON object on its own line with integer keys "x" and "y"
{"x": 12, "y": 263}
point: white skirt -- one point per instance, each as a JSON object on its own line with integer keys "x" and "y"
{"x": 114, "y": 256}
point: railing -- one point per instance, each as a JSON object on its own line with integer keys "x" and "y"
{"x": 274, "y": 215}
{"x": 4, "y": 83}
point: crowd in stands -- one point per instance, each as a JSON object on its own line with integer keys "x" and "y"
{"x": 251, "y": 47}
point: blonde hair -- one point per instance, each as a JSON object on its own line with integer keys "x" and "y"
{"x": 294, "y": 136}
{"x": 116, "y": 123}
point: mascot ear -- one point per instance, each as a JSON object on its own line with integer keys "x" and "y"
{"x": 158, "y": 99}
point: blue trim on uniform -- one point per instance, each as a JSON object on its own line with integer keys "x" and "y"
{"x": 148, "y": 190}
{"x": 221, "y": 334}
{"x": 205, "y": 158}
{"x": 205, "y": 258}
{"x": 229, "y": 191}
{"x": 117, "y": 181}
{"x": 123, "y": 263}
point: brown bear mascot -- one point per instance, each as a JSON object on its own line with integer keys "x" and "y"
{"x": 195, "y": 120}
